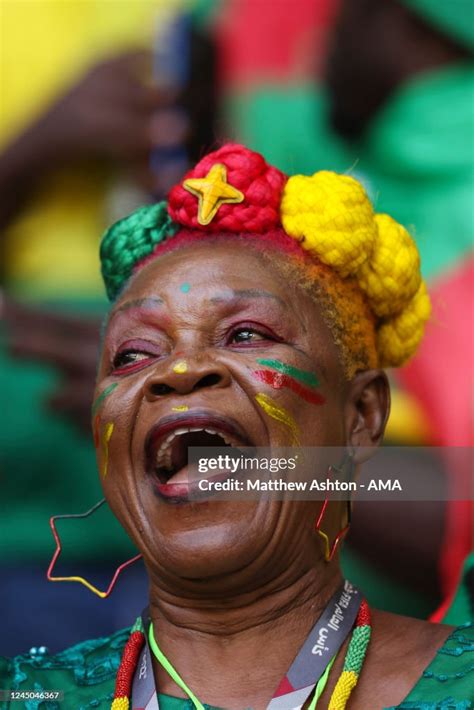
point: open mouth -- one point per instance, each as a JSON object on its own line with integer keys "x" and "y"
{"x": 167, "y": 443}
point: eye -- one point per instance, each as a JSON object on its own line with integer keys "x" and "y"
{"x": 250, "y": 335}
{"x": 246, "y": 335}
{"x": 129, "y": 357}
{"x": 133, "y": 356}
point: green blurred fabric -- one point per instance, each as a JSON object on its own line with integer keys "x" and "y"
{"x": 452, "y": 17}
{"x": 48, "y": 467}
{"x": 417, "y": 159}
{"x": 461, "y": 609}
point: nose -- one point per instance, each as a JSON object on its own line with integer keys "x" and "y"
{"x": 186, "y": 376}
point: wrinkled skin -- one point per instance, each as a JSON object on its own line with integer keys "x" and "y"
{"x": 202, "y": 328}
{"x": 226, "y": 576}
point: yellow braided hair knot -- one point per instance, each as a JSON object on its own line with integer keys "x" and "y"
{"x": 399, "y": 337}
{"x": 391, "y": 276}
{"x": 332, "y": 217}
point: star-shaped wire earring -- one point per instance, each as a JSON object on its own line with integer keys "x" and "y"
{"x": 330, "y": 550}
{"x": 212, "y": 191}
{"x": 58, "y": 550}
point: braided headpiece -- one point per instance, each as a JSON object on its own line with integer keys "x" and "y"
{"x": 233, "y": 190}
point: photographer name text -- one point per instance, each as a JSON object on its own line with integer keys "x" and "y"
{"x": 282, "y": 485}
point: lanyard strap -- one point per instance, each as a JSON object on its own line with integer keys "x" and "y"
{"x": 322, "y": 682}
{"x": 160, "y": 656}
{"x": 311, "y": 665}
{"x": 322, "y": 644}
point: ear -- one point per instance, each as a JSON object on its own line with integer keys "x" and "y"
{"x": 366, "y": 411}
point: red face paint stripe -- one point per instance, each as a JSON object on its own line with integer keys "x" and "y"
{"x": 96, "y": 430}
{"x": 278, "y": 380}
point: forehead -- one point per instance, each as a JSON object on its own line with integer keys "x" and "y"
{"x": 218, "y": 278}
{"x": 204, "y": 267}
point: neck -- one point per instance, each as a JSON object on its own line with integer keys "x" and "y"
{"x": 248, "y": 641}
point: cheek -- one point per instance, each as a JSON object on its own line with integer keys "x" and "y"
{"x": 280, "y": 413}
{"x": 291, "y": 396}
{"x": 115, "y": 466}
{"x": 108, "y": 438}
{"x": 112, "y": 412}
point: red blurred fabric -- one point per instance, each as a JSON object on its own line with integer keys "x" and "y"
{"x": 441, "y": 378}
{"x": 263, "y": 40}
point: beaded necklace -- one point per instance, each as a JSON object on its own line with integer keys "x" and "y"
{"x": 347, "y": 681}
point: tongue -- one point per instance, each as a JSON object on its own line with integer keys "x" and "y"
{"x": 184, "y": 475}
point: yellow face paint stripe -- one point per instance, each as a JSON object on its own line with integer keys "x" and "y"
{"x": 275, "y": 411}
{"x": 109, "y": 428}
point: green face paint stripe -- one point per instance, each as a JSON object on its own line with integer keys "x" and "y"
{"x": 108, "y": 390}
{"x": 308, "y": 378}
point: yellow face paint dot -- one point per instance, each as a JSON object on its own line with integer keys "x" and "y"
{"x": 109, "y": 428}
{"x": 180, "y": 408}
{"x": 275, "y": 411}
{"x": 212, "y": 191}
{"x": 180, "y": 368}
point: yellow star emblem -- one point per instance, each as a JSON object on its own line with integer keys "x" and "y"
{"x": 212, "y": 192}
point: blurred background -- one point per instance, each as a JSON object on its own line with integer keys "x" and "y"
{"x": 103, "y": 105}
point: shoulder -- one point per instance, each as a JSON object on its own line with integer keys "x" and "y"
{"x": 449, "y": 678}
{"x": 412, "y": 661}
{"x": 84, "y": 672}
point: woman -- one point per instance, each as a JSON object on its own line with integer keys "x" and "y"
{"x": 252, "y": 309}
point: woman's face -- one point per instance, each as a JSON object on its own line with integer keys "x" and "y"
{"x": 212, "y": 337}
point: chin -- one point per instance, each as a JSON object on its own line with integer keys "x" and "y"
{"x": 211, "y": 539}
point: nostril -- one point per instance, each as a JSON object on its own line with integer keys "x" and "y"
{"x": 208, "y": 381}
{"x": 160, "y": 389}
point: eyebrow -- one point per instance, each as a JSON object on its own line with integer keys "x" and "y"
{"x": 231, "y": 295}
{"x": 240, "y": 294}
{"x": 136, "y": 303}
{"x": 246, "y": 293}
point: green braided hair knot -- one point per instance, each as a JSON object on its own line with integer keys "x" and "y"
{"x": 130, "y": 240}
